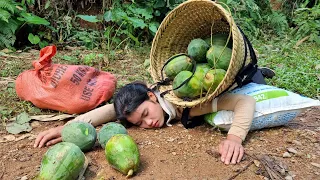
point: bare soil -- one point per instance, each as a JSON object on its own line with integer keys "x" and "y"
{"x": 175, "y": 152}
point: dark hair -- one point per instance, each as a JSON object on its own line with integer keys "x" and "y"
{"x": 128, "y": 98}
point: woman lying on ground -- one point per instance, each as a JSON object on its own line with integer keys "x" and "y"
{"x": 143, "y": 107}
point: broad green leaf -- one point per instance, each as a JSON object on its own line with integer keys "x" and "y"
{"x": 43, "y": 44}
{"x": 34, "y": 39}
{"x": 136, "y": 22}
{"x": 15, "y": 128}
{"x": 153, "y": 27}
{"x": 89, "y": 18}
{"x": 118, "y": 14}
{"x": 33, "y": 19}
{"x": 23, "y": 118}
{"x": 159, "y": 4}
{"x": 144, "y": 12}
{"x": 47, "y": 4}
{"x": 107, "y": 16}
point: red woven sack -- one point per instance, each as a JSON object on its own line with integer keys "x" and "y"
{"x": 68, "y": 88}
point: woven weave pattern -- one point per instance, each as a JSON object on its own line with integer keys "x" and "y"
{"x": 194, "y": 19}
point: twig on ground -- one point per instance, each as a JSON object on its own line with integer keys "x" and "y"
{"x": 3, "y": 169}
{"x": 243, "y": 169}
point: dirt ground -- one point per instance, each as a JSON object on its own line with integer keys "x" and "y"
{"x": 179, "y": 153}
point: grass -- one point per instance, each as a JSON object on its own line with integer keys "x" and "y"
{"x": 297, "y": 68}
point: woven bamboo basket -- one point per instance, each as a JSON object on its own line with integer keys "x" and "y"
{"x": 195, "y": 19}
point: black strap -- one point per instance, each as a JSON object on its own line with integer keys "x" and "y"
{"x": 247, "y": 72}
{"x": 167, "y": 81}
{"x": 190, "y": 123}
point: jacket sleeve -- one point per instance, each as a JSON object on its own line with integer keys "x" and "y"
{"x": 243, "y": 107}
{"x": 98, "y": 116}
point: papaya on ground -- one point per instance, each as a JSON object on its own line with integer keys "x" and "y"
{"x": 197, "y": 49}
{"x": 81, "y": 134}
{"x": 63, "y": 161}
{"x": 212, "y": 79}
{"x": 176, "y": 65}
{"x": 220, "y": 40}
{"x": 122, "y": 153}
{"x": 108, "y": 130}
{"x": 191, "y": 89}
{"x": 219, "y": 57}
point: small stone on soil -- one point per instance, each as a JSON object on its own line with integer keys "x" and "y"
{"x": 288, "y": 178}
{"x": 24, "y": 178}
{"x": 286, "y": 155}
{"x": 292, "y": 150}
{"x": 257, "y": 163}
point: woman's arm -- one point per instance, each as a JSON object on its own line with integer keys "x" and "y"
{"x": 96, "y": 117}
{"x": 243, "y": 107}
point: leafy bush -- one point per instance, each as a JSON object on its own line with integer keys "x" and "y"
{"x": 8, "y": 23}
{"x": 307, "y": 21}
{"x": 257, "y": 17}
{"x": 12, "y": 16}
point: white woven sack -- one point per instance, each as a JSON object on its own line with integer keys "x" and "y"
{"x": 274, "y": 107}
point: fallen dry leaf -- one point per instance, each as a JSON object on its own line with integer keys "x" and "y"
{"x": 52, "y": 117}
{"x": 7, "y": 138}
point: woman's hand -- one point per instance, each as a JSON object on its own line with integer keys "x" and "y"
{"x": 48, "y": 137}
{"x": 231, "y": 149}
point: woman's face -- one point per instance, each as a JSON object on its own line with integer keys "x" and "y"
{"x": 149, "y": 114}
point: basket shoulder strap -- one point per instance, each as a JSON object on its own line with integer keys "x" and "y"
{"x": 189, "y": 123}
{"x": 247, "y": 71}
{"x": 166, "y": 81}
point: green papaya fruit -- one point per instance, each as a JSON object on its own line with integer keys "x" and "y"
{"x": 197, "y": 49}
{"x": 191, "y": 89}
{"x": 213, "y": 78}
{"x": 81, "y": 134}
{"x": 219, "y": 40}
{"x": 108, "y": 130}
{"x": 122, "y": 153}
{"x": 63, "y": 161}
{"x": 176, "y": 65}
{"x": 219, "y": 57}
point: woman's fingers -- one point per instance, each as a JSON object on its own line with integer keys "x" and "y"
{"x": 235, "y": 155}
{"x": 54, "y": 141}
{"x": 229, "y": 153}
{"x": 39, "y": 138}
{"x": 46, "y": 138}
{"x": 241, "y": 154}
{"x": 225, "y": 148}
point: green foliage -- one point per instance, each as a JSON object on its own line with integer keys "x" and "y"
{"x": 12, "y": 17}
{"x": 34, "y": 39}
{"x": 257, "y": 17}
{"x": 297, "y": 68}
{"x": 8, "y": 25}
{"x": 307, "y": 22}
